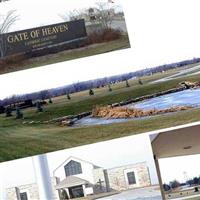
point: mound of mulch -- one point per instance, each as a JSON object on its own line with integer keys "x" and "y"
{"x": 123, "y": 112}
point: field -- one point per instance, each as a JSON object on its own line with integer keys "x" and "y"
{"x": 19, "y": 140}
{"x": 68, "y": 55}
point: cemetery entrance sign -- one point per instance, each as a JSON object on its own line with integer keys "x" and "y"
{"x": 42, "y": 37}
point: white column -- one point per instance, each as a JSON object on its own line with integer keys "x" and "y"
{"x": 67, "y": 190}
{"x": 85, "y": 195}
{"x": 2, "y": 187}
{"x": 43, "y": 177}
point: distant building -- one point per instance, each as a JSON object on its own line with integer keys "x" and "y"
{"x": 78, "y": 178}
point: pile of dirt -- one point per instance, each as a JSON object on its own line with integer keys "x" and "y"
{"x": 123, "y": 112}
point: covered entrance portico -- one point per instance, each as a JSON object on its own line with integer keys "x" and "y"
{"x": 183, "y": 141}
{"x": 73, "y": 186}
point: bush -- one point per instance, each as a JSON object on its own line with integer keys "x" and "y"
{"x": 104, "y": 36}
{"x": 166, "y": 187}
{"x": 12, "y": 60}
{"x": 174, "y": 184}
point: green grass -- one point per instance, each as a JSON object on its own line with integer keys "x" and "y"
{"x": 69, "y": 55}
{"x": 18, "y": 140}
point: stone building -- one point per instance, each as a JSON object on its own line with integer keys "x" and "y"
{"x": 78, "y": 178}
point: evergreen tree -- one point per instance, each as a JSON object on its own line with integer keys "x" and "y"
{"x": 39, "y": 107}
{"x": 140, "y": 81}
{"x": 91, "y": 92}
{"x": 109, "y": 88}
{"x": 68, "y": 96}
{"x": 19, "y": 114}
{"x": 127, "y": 83}
{"x": 50, "y": 100}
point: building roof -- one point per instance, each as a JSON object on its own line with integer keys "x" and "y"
{"x": 71, "y": 181}
{"x": 76, "y": 159}
{"x": 179, "y": 142}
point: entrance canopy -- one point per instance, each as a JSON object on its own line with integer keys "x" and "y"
{"x": 71, "y": 181}
{"x": 179, "y": 142}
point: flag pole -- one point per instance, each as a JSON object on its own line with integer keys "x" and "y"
{"x": 43, "y": 177}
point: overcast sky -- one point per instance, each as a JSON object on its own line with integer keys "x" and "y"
{"x": 160, "y": 32}
{"x": 176, "y": 168}
{"x": 114, "y": 153}
{"x": 37, "y": 13}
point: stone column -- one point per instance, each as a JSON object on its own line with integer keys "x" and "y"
{"x": 159, "y": 177}
{"x": 43, "y": 177}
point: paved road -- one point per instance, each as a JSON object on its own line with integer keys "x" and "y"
{"x": 151, "y": 193}
{"x": 186, "y": 72}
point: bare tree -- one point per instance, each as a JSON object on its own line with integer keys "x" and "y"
{"x": 73, "y": 15}
{"x": 5, "y": 23}
{"x": 1, "y": 1}
{"x": 104, "y": 15}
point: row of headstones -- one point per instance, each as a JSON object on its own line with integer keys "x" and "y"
{"x": 91, "y": 92}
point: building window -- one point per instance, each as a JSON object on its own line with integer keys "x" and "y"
{"x": 23, "y": 196}
{"x": 131, "y": 178}
{"x": 73, "y": 168}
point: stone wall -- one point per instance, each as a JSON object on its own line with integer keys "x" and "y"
{"x": 118, "y": 177}
{"x": 99, "y": 176}
{"x": 12, "y": 194}
{"x": 31, "y": 190}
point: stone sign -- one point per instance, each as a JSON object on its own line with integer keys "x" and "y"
{"x": 41, "y": 37}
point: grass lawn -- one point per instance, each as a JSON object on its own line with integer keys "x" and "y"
{"x": 18, "y": 140}
{"x": 69, "y": 55}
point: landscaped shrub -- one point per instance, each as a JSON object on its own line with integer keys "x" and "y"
{"x": 104, "y": 36}
{"x": 12, "y": 60}
{"x": 19, "y": 114}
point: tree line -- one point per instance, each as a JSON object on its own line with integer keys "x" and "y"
{"x": 91, "y": 84}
